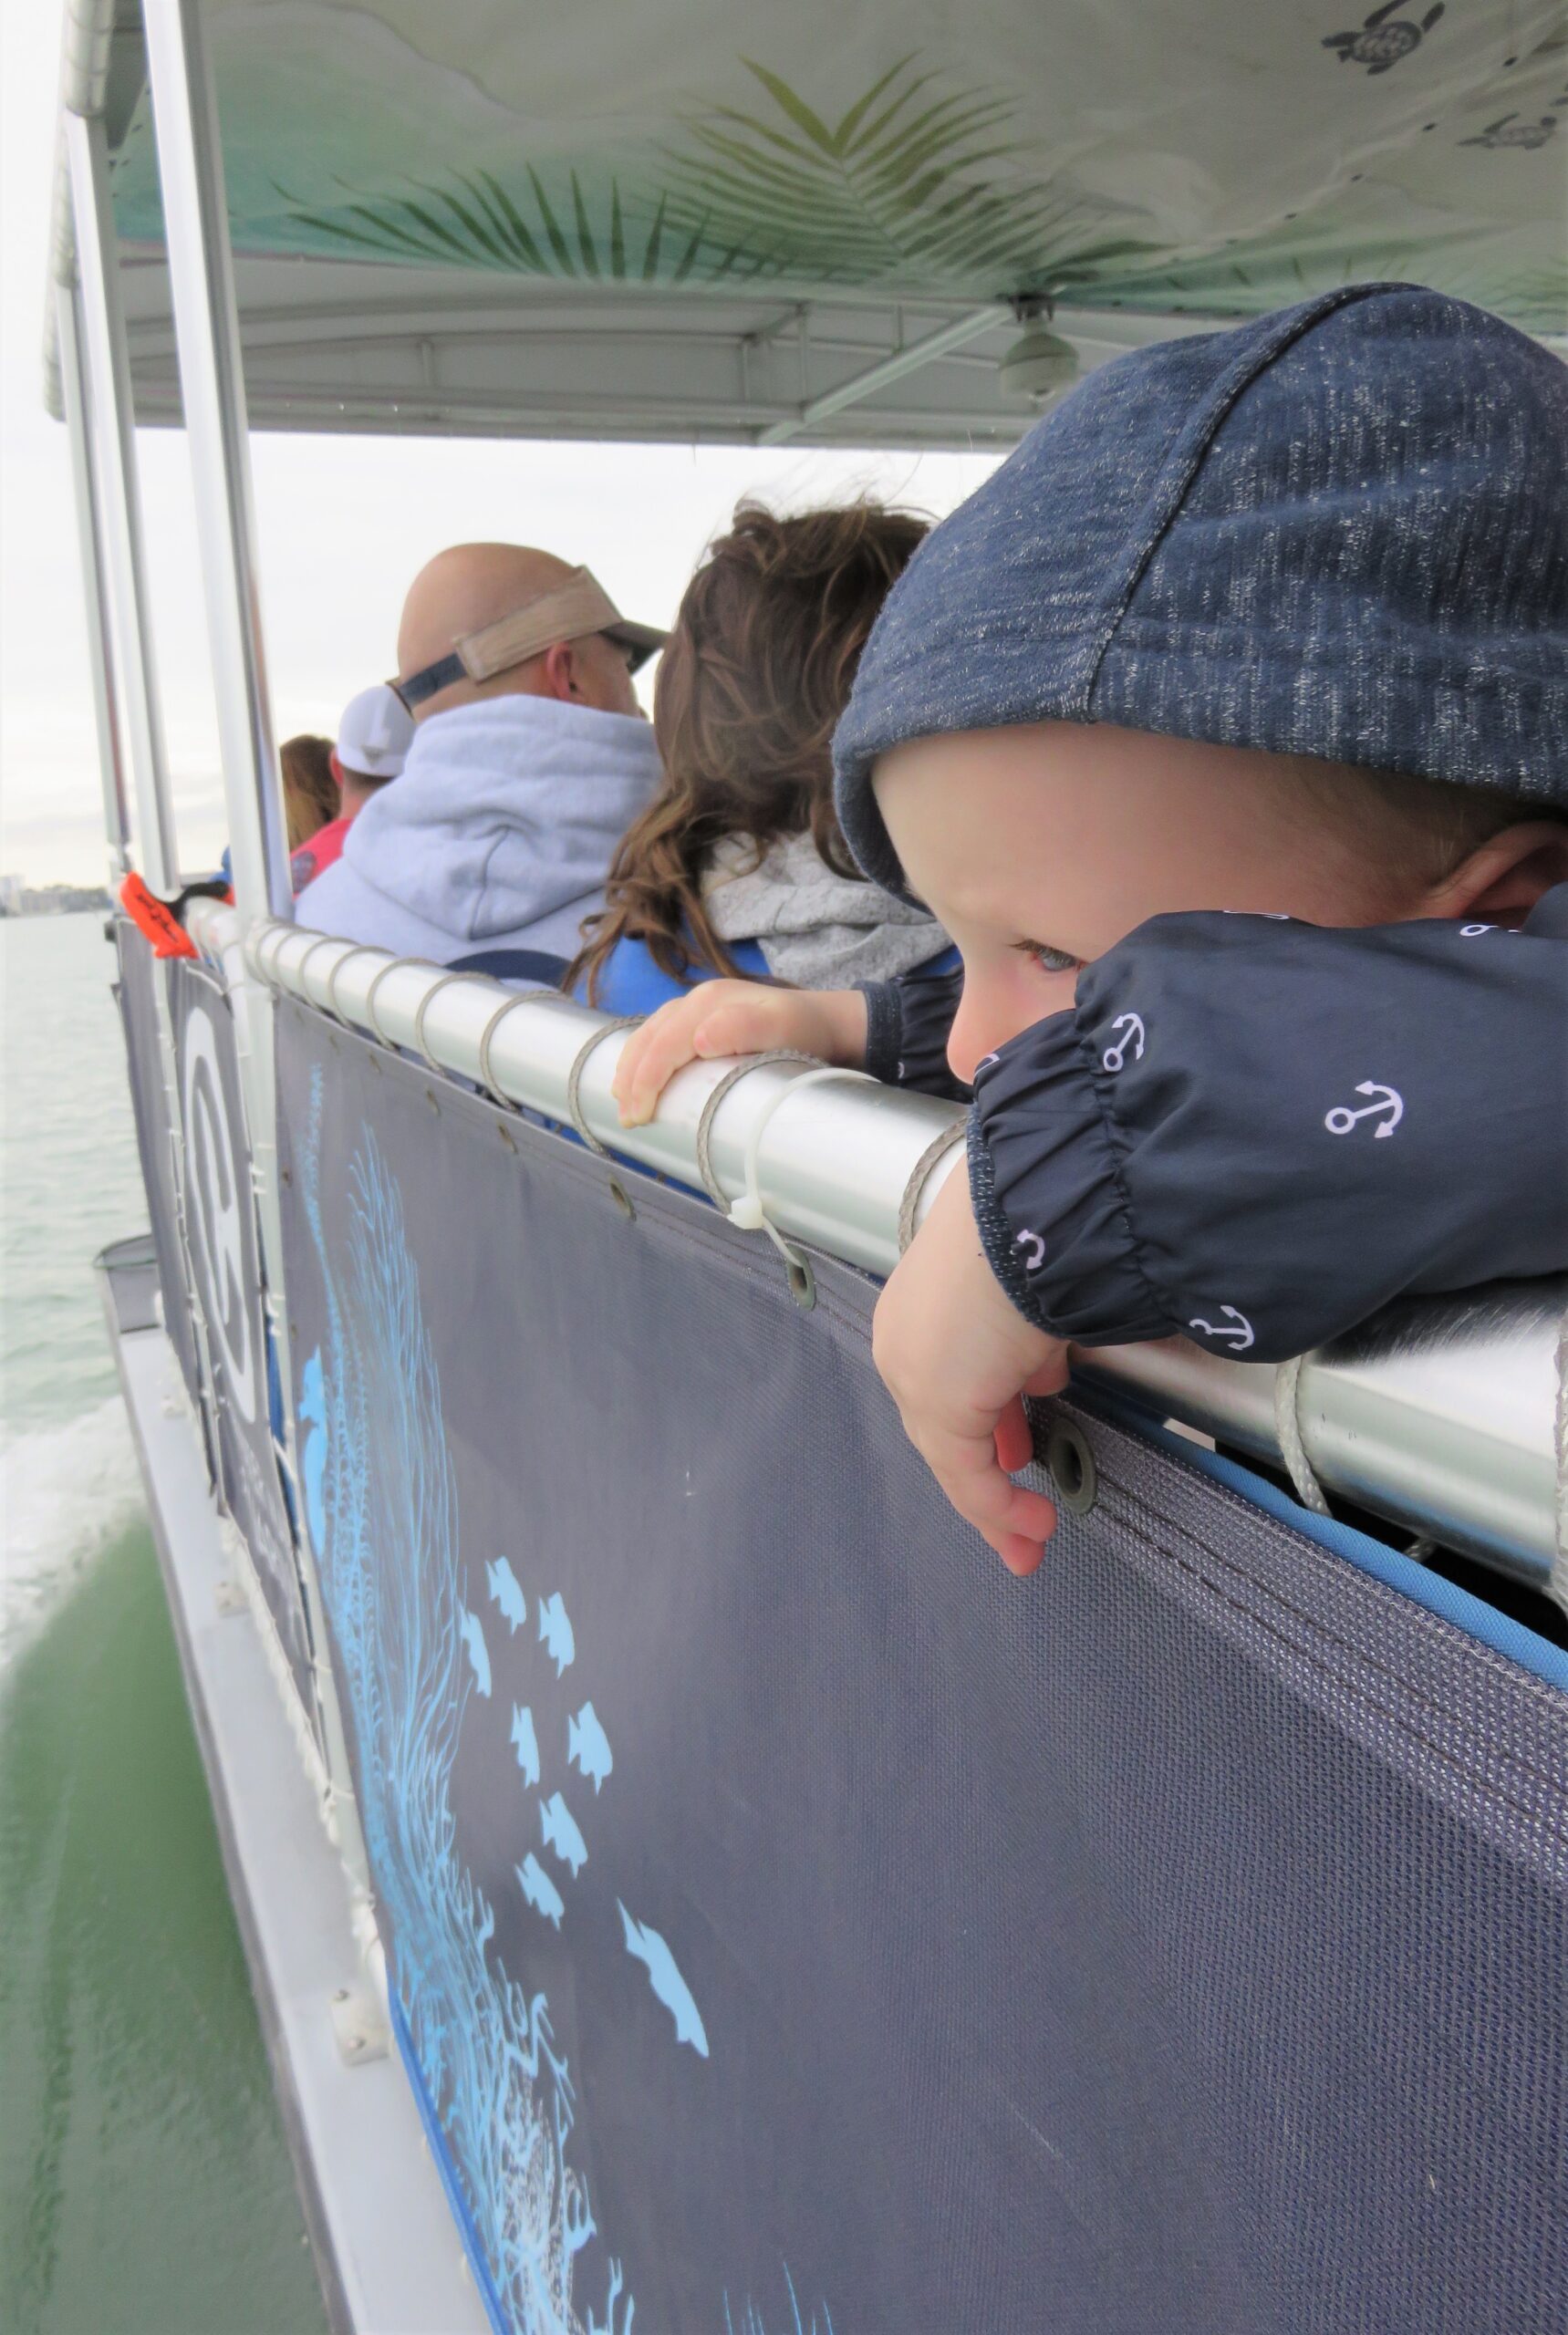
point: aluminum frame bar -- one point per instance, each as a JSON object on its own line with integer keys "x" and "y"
{"x": 98, "y": 613}
{"x": 201, "y": 279}
{"x": 878, "y": 377}
{"x": 117, "y": 493}
{"x": 1444, "y": 1421}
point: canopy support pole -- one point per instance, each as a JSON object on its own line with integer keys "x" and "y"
{"x": 101, "y": 662}
{"x": 878, "y": 377}
{"x": 212, "y": 385}
{"x": 207, "y": 323}
{"x": 116, "y": 498}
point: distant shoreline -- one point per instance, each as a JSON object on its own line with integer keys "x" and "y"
{"x": 55, "y": 899}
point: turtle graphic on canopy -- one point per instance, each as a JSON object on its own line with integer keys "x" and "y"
{"x": 1510, "y": 131}
{"x": 1379, "y": 45}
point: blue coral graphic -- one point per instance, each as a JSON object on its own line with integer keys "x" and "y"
{"x": 751, "y": 2322}
{"x": 387, "y": 1541}
{"x": 411, "y": 1653}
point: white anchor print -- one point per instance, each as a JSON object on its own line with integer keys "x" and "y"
{"x": 1388, "y": 1110}
{"x": 1237, "y": 1332}
{"x": 1036, "y": 1258}
{"x": 1131, "y": 1027}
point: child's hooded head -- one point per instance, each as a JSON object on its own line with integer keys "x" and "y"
{"x": 1271, "y": 619}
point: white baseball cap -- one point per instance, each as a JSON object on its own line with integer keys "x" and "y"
{"x": 375, "y": 733}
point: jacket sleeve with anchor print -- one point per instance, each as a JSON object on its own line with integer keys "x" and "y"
{"x": 1254, "y": 1133}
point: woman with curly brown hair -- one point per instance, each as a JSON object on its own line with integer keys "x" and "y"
{"x": 737, "y": 865}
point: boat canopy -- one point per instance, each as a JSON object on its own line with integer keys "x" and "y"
{"x": 726, "y": 220}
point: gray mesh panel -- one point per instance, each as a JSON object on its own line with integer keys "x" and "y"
{"x": 1170, "y": 1944}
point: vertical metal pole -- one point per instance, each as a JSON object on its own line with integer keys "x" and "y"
{"x": 117, "y": 498}
{"x": 89, "y": 542}
{"x": 212, "y": 384}
{"x": 200, "y": 271}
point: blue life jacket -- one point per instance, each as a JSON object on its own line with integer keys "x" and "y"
{"x": 630, "y": 981}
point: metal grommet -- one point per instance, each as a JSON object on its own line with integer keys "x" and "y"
{"x": 802, "y": 1280}
{"x": 1071, "y": 1467}
{"x": 363, "y": 949}
{"x": 575, "y": 1076}
{"x": 423, "y": 1006}
{"x": 622, "y": 1199}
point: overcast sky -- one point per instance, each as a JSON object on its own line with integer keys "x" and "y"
{"x": 343, "y": 524}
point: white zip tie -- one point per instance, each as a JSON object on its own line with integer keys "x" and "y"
{"x": 1292, "y": 1447}
{"x": 748, "y": 1211}
{"x": 731, "y": 1078}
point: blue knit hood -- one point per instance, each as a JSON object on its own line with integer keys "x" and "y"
{"x": 1339, "y": 531}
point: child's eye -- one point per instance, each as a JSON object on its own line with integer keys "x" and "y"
{"x": 1049, "y": 959}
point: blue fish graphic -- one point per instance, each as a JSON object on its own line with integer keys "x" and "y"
{"x": 559, "y": 1827}
{"x": 671, "y": 1987}
{"x": 588, "y": 1745}
{"x": 313, "y": 1457}
{"x": 527, "y": 1743}
{"x": 540, "y": 1890}
{"x": 502, "y": 1582}
{"x": 478, "y": 1652}
{"x": 555, "y": 1632}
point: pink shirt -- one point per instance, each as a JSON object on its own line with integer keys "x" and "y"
{"x": 318, "y": 854}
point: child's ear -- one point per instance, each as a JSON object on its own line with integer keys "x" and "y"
{"x": 1506, "y": 875}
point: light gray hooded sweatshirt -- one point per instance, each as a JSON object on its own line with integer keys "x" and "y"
{"x": 497, "y": 835}
{"x": 816, "y": 929}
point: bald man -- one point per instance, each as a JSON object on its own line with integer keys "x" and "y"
{"x": 530, "y": 758}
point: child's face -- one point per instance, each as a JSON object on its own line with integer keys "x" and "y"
{"x": 1040, "y": 848}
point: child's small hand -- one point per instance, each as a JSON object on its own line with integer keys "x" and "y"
{"x": 720, "y": 1018}
{"x": 958, "y": 1357}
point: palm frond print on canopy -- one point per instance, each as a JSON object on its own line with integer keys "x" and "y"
{"x": 910, "y": 181}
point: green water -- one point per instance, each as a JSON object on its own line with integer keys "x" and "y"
{"x": 144, "y": 2182}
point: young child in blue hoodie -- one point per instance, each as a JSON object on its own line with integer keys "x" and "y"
{"x": 1226, "y": 730}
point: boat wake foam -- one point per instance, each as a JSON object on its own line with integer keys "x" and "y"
{"x": 66, "y": 1492}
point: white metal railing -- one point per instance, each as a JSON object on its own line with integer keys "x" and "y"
{"x": 1453, "y": 1427}
{"x": 1448, "y": 1424}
